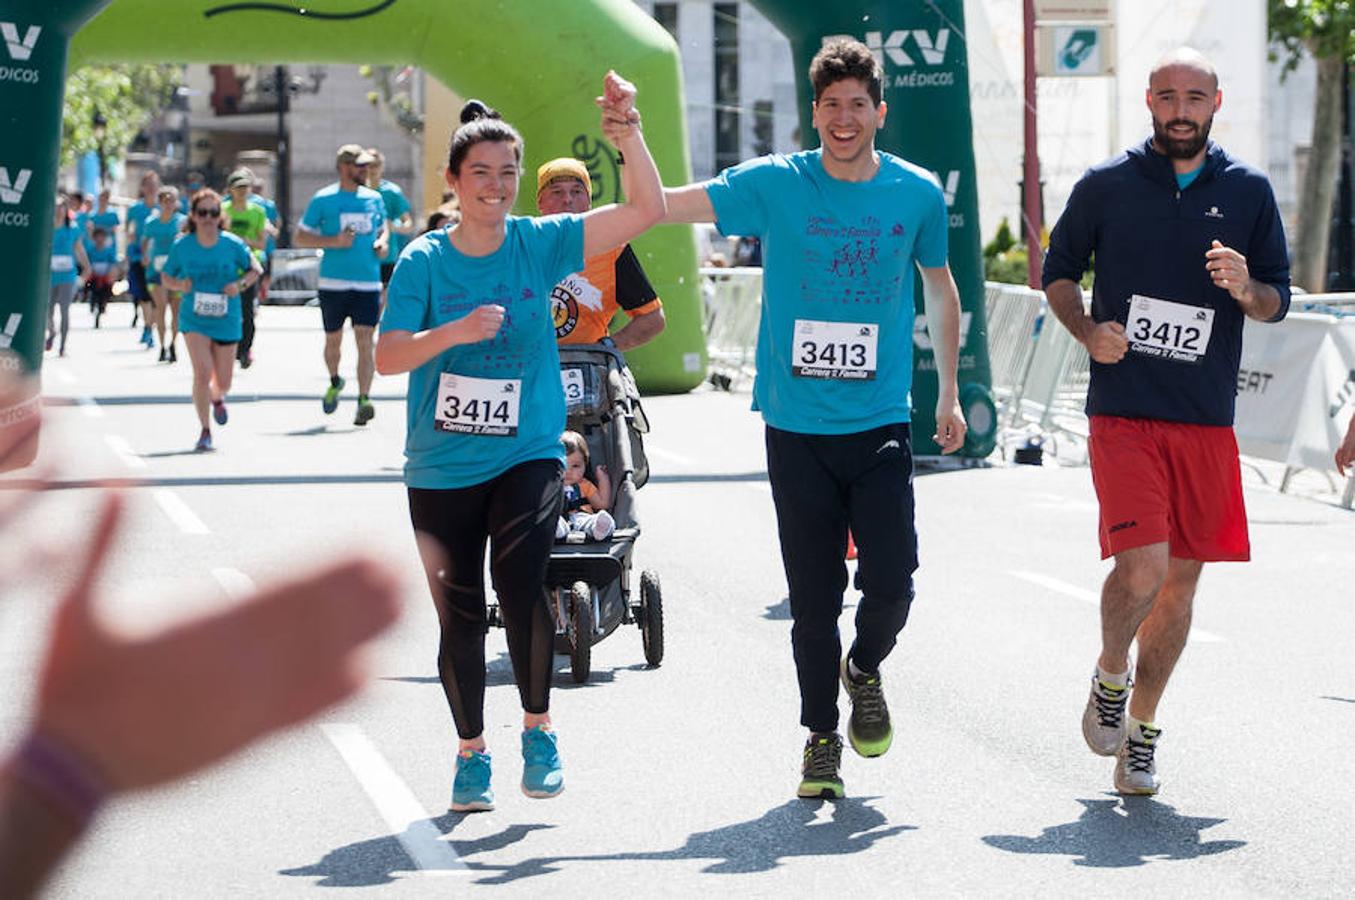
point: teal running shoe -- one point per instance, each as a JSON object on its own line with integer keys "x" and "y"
{"x": 470, "y": 789}
{"x": 541, "y": 775}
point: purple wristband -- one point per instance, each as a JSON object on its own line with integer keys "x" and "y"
{"x": 66, "y": 780}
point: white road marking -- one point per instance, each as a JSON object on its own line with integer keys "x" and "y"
{"x": 179, "y": 513}
{"x": 1094, "y": 599}
{"x": 89, "y": 407}
{"x": 395, "y": 802}
{"x": 124, "y": 451}
{"x": 62, "y": 375}
{"x": 235, "y": 583}
{"x": 765, "y": 486}
{"x": 670, "y": 456}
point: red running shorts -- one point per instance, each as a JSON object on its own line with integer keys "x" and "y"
{"x": 1169, "y": 481}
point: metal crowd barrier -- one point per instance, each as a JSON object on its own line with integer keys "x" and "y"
{"x": 1330, "y": 304}
{"x": 1039, "y": 372}
{"x": 732, "y": 304}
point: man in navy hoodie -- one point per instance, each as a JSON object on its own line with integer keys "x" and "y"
{"x": 1187, "y": 242}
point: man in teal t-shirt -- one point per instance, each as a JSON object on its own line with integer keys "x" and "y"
{"x": 347, "y": 220}
{"x": 399, "y": 216}
{"x": 843, "y": 229}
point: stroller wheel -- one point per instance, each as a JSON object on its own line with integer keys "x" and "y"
{"x": 651, "y": 617}
{"x": 581, "y": 632}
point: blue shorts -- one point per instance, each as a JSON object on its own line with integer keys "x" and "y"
{"x": 363, "y": 307}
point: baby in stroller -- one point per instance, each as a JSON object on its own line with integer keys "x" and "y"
{"x": 585, "y": 503}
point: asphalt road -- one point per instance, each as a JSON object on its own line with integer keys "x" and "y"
{"x": 681, "y": 779}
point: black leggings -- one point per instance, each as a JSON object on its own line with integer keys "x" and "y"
{"x": 516, "y": 511}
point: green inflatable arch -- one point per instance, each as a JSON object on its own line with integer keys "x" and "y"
{"x": 542, "y": 71}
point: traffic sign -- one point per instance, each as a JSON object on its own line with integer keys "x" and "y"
{"x": 1082, "y": 50}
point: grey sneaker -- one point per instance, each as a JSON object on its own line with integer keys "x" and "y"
{"x": 1135, "y": 769}
{"x": 1103, "y": 719}
{"x": 869, "y": 729}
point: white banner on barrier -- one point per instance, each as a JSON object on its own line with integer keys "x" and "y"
{"x": 1296, "y": 389}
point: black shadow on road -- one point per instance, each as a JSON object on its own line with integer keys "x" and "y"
{"x": 1126, "y": 831}
{"x": 377, "y": 861}
{"x": 499, "y": 673}
{"x": 786, "y": 831}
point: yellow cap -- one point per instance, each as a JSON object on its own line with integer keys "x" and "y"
{"x": 564, "y": 167}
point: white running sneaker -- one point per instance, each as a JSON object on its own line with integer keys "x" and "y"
{"x": 1135, "y": 769}
{"x": 1103, "y": 719}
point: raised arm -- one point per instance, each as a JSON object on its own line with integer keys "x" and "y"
{"x": 613, "y": 225}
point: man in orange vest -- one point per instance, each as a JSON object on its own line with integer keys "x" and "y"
{"x": 584, "y": 304}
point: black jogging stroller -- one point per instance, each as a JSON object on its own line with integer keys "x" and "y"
{"x": 589, "y": 583}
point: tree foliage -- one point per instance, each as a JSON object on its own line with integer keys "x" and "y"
{"x": 1318, "y": 28}
{"x": 127, "y": 97}
{"x": 392, "y": 91}
{"x": 1325, "y": 31}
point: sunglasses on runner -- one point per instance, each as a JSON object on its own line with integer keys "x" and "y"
{"x": 208, "y": 213}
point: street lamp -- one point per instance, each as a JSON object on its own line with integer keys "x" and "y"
{"x": 100, "y": 128}
{"x": 283, "y": 86}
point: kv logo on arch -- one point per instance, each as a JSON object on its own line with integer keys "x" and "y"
{"x": 950, "y": 185}
{"x": 892, "y": 47}
{"x": 20, "y": 49}
{"x": 12, "y": 192}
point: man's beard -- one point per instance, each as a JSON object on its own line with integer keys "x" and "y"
{"x": 1181, "y": 148}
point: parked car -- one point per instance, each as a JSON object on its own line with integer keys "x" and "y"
{"x": 296, "y": 277}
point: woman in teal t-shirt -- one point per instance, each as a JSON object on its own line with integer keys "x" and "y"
{"x": 67, "y": 250}
{"x": 210, "y": 267}
{"x": 468, "y": 316}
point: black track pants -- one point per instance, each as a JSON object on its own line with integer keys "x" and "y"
{"x": 821, "y": 485}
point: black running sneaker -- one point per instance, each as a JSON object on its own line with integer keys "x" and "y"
{"x": 869, "y": 729}
{"x": 823, "y": 758}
